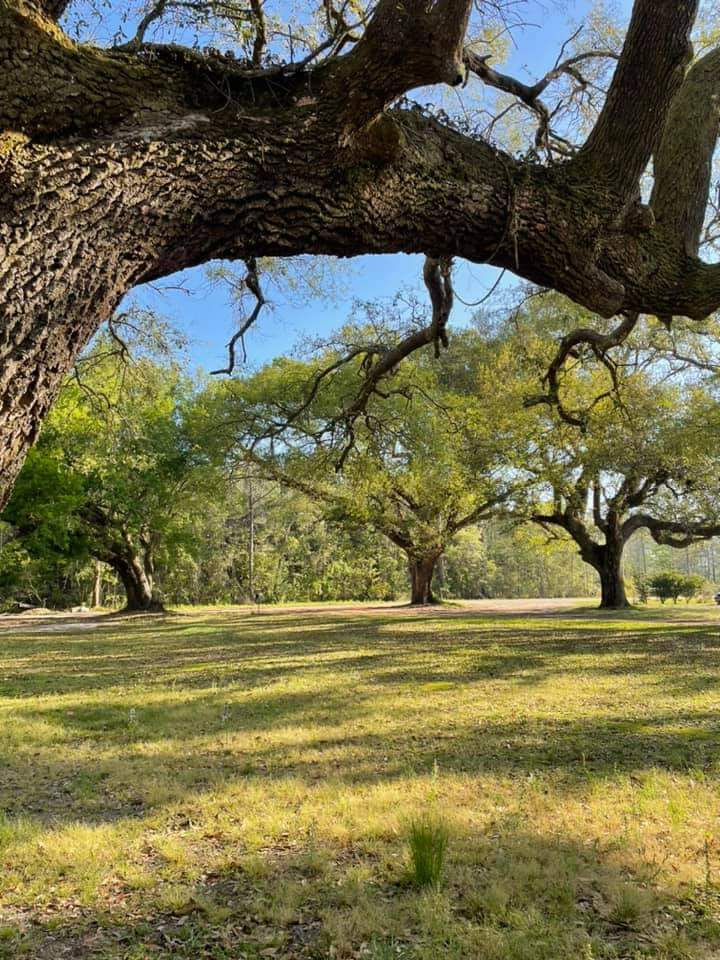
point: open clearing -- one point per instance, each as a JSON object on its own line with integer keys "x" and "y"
{"x": 237, "y": 784}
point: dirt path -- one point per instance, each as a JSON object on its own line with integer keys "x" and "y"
{"x": 62, "y": 621}
{"x": 585, "y": 607}
{"x": 452, "y": 608}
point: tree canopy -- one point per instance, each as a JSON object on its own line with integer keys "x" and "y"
{"x": 430, "y": 456}
{"x": 630, "y": 444}
{"x": 117, "y": 471}
{"x": 174, "y": 483}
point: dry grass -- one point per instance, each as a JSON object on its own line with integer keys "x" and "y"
{"x": 229, "y": 785}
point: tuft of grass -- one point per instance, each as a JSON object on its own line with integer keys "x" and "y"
{"x": 427, "y": 839}
{"x": 630, "y": 905}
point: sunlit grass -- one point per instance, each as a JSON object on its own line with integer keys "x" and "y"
{"x": 234, "y": 784}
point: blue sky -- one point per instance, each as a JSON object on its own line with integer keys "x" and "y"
{"x": 206, "y": 317}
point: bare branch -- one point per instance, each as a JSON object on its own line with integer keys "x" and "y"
{"x": 600, "y": 343}
{"x": 115, "y": 336}
{"x": 674, "y": 533}
{"x": 260, "y": 41}
{"x": 530, "y": 94}
{"x": 482, "y": 511}
{"x": 154, "y": 13}
{"x": 252, "y": 282}
{"x": 437, "y": 276}
{"x": 279, "y": 427}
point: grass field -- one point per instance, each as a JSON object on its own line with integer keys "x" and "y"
{"x": 243, "y": 785}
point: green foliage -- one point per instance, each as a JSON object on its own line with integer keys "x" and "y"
{"x": 117, "y": 471}
{"x": 431, "y": 455}
{"x": 43, "y": 542}
{"x": 466, "y": 568}
{"x": 142, "y": 454}
{"x": 499, "y": 559}
{"x": 666, "y": 586}
{"x": 671, "y": 585}
{"x": 428, "y": 838}
{"x": 631, "y": 446}
{"x": 123, "y": 460}
{"x": 693, "y": 586}
{"x": 643, "y": 588}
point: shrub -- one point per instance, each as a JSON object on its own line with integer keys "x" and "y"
{"x": 643, "y": 589}
{"x": 671, "y": 586}
{"x": 692, "y": 586}
{"x": 665, "y": 586}
{"x": 428, "y": 840}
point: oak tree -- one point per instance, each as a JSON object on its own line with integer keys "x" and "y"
{"x": 644, "y": 458}
{"x": 119, "y": 469}
{"x": 429, "y": 457}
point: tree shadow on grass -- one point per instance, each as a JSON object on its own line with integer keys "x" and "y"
{"x": 572, "y": 754}
{"x": 249, "y": 651}
{"x": 211, "y": 715}
{"x": 221, "y": 704}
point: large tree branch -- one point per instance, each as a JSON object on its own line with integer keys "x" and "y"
{"x": 571, "y": 521}
{"x": 683, "y": 162}
{"x": 118, "y": 168}
{"x": 53, "y": 9}
{"x": 51, "y": 88}
{"x": 649, "y": 73}
{"x": 482, "y": 511}
{"x": 639, "y": 492}
{"x": 672, "y": 533}
{"x": 434, "y": 190}
{"x": 405, "y": 45}
{"x": 410, "y": 44}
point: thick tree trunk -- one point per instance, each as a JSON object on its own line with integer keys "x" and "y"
{"x": 612, "y": 590}
{"x": 52, "y": 299}
{"x": 138, "y": 584}
{"x": 612, "y": 584}
{"x": 421, "y": 574}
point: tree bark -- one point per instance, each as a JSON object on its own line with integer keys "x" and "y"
{"x": 421, "y": 575}
{"x": 612, "y": 584}
{"x": 96, "y": 594}
{"x": 138, "y": 584}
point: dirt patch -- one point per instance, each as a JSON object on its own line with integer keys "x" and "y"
{"x": 452, "y": 608}
{"x": 72, "y": 626}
